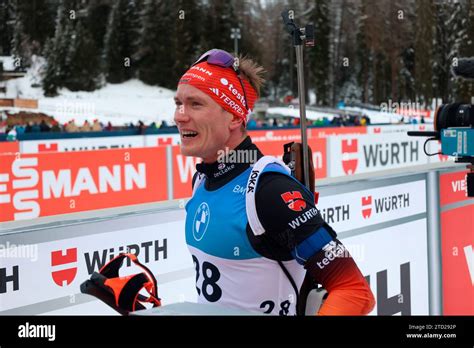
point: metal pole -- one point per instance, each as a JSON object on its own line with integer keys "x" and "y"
{"x": 292, "y": 65}
{"x": 433, "y": 213}
{"x": 235, "y": 34}
{"x": 301, "y": 90}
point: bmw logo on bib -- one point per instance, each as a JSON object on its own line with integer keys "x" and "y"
{"x": 201, "y": 221}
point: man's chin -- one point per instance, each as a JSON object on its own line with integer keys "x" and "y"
{"x": 189, "y": 151}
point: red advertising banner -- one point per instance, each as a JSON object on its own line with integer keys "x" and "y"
{"x": 275, "y": 148}
{"x": 9, "y": 147}
{"x": 43, "y": 184}
{"x": 457, "y": 238}
{"x": 288, "y": 135}
{"x": 184, "y": 168}
{"x": 453, "y": 187}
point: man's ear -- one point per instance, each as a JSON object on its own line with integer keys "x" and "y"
{"x": 236, "y": 122}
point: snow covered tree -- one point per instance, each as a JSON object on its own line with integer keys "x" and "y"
{"x": 72, "y": 56}
{"x": 6, "y": 27}
{"x": 56, "y": 50}
{"x": 120, "y": 42}
{"x": 156, "y": 55}
{"x": 33, "y": 25}
{"x": 465, "y": 91}
{"x": 451, "y": 32}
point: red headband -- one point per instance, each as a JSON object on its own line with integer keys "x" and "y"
{"x": 223, "y": 86}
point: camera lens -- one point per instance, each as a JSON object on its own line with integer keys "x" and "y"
{"x": 454, "y": 115}
{"x": 464, "y": 116}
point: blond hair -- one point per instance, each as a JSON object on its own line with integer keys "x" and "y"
{"x": 252, "y": 72}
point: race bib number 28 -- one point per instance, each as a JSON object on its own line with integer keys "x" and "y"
{"x": 210, "y": 274}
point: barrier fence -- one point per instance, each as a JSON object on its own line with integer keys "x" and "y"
{"x": 409, "y": 230}
{"x": 40, "y": 178}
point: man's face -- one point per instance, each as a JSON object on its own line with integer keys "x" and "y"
{"x": 204, "y": 127}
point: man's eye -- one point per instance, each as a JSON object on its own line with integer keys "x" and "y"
{"x": 178, "y": 103}
{"x": 196, "y": 104}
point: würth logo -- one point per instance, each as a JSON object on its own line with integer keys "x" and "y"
{"x": 58, "y": 259}
{"x": 294, "y": 200}
{"x": 48, "y": 147}
{"x": 366, "y": 207}
{"x": 349, "y": 155}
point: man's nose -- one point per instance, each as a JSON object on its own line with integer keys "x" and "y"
{"x": 180, "y": 115}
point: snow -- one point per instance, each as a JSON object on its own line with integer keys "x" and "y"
{"x": 23, "y": 87}
{"x": 118, "y": 103}
{"x": 7, "y": 63}
{"x": 121, "y": 103}
{"x": 382, "y": 117}
{"x": 294, "y": 111}
{"x": 375, "y": 116}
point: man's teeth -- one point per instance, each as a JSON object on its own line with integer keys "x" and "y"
{"x": 189, "y": 133}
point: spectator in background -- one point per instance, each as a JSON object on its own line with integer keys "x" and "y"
{"x": 96, "y": 126}
{"x": 44, "y": 127}
{"x": 3, "y": 127}
{"x": 86, "y": 127}
{"x": 252, "y": 124}
{"x": 109, "y": 127}
{"x": 164, "y": 124}
{"x": 275, "y": 122}
{"x": 422, "y": 120}
{"x": 141, "y": 127}
{"x": 153, "y": 125}
{"x": 20, "y": 129}
{"x": 55, "y": 127}
{"x": 12, "y": 135}
{"x": 35, "y": 128}
{"x": 71, "y": 127}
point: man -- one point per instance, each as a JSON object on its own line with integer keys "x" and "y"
{"x": 259, "y": 268}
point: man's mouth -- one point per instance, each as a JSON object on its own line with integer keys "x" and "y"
{"x": 188, "y": 133}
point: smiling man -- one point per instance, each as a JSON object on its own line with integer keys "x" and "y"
{"x": 252, "y": 229}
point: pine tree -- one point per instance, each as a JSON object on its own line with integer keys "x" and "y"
{"x": 465, "y": 92}
{"x": 82, "y": 60}
{"x": 219, "y": 19}
{"x": 319, "y": 55}
{"x": 364, "y": 57}
{"x": 186, "y": 40}
{"x": 72, "y": 56}
{"x": 451, "y": 32}
{"x": 33, "y": 25}
{"x": 6, "y": 27}
{"x": 424, "y": 36}
{"x": 119, "y": 43}
{"x": 97, "y": 20}
{"x": 57, "y": 69}
{"x": 156, "y": 55}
